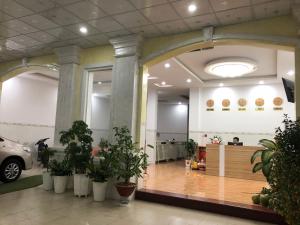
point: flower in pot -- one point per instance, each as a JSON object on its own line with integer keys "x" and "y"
{"x": 78, "y": 141}
{"x": 100, "y": 170}
{"x": 216, "y": 140}
{"x": 45, "y": 155}
{"x": 191, "y": 147}
{"x": 60, "y": 172}
{"x": 130, "y": 160}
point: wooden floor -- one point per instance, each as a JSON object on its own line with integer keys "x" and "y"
{"x": 175, "y": 178}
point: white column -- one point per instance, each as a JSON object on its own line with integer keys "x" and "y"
{"x": 68, "y": 58}
{"x": 1, "y": 85}
{"x": 195, "y": 106}
{"x": 125, "y": 82}
{"x": 151, "y": 124}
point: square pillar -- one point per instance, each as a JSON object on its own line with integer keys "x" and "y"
{"x": 66, "y": 111}
{"x": 125, "y": 82}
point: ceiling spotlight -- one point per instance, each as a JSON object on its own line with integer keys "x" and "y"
{"x": 167, "y": 65}
{"x": 83, "y": 30}
{"x": 179, "y": 103}
{"x": 221, "y": 84}
{"x": 192, "y": 8}
{"x": 163, "y": 83}
{"x": 261, "y": 82}
{"x": 99, "y": 82}
{"x": 291, "y": 73}
{"x": 188, "y": 80}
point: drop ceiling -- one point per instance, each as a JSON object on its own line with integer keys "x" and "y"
{"x": 35, "y": 27}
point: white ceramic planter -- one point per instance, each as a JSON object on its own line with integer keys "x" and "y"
{"x": 188, "y": 163}
{"x": 99, "y": 191}
{"x": 70, "y": 184}
{"x": 81, "y": 185}
{"x": 60, "y": 184}
{"x": 47, "y": 181}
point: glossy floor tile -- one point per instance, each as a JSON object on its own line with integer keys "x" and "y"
{"x": 175, "y": 178}
{"x": 38, "y": 207}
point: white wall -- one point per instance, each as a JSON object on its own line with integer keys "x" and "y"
{"x": 249, "y": 125}
{"x": 100, "y": 120}
{"x": 28, "y": 108}
{"x": 172, "y": 121}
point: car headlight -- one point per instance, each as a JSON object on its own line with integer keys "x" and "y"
{"x": 27, "y": 149}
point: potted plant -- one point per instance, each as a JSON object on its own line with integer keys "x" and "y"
{"x": 78, "y": 141}
{"x": 100, "y": 170}
{"x": 191, "y": 147}
{"x": 45, "y": 155}
{"x": 216, "y": 140}
{"x": 130, "y": 162}
{"x": 60, "y": 172}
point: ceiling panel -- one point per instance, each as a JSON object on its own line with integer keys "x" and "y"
{"x": 19, "y": 26}
{"x": 115, "y": 6}
{"x": 106, "y": 24}
{"x": 62, "y": 33}
{"x": 198, "y": 22}
{"x": 6, "y": 32}
{"x": 39, "y": 22}
{"x": 14, "y": 9}
{"x": 147, "y": 31}
{"x": 203, "y": 7}
{"x": 36, "y": 5}
{"x": 235, "y": 15}
{"x": 143, "y": 4}
{"x": 75, "y": 28}
{"x": 4, "y": 17}
{"x": 61, "y": 16}
{"x": 132, "y": 19}
{"x": 118, "y": 33}
{"x": 25, "y": 41}
{"x": 85, "y": 10}
{"x": 221, "y": 5}
{"x": 98, "y": 39}
{"x": 42, "y": 37}
{"x": 270, "y": 9}
{"x": 173, "y": 27}
{"x": 160, "y": 13}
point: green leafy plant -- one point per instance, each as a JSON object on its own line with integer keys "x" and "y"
{"x": 101, "y": 168}
{"x": 130, "y": 160}
{"x": 78, "y": 141}
{"x": 266, "y": 155}
{"x": 191, "y": 147}
{"x": 62, "y": 168}
{"x": 46, "y": 154}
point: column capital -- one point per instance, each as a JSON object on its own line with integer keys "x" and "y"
{"x": 68, "y": 54}
{"x": 127, "y": 45}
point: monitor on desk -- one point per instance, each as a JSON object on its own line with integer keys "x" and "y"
{"x": 236, "y": 143}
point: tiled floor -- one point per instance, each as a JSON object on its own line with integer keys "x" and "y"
{"x": 175, "y": 178}
{"x": 38, "y": 207}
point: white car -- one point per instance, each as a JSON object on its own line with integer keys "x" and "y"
{"x": 14, "y": 158}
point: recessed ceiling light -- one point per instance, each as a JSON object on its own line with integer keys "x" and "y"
{"x": 163, "y": 83}
{"x": 261, "y": 82}
{"x": 167, "y": 65}
{"x": 179, "y": 103}
{"x": 189, "y": 80}
{"x": 83, "y": 30}
{"x": 221, "y": 84}
{"x": 99, "y": 82}
{"x": 291, "y": 73}
{"x": 231, "y": 67}
{"x": 192, "y": 8}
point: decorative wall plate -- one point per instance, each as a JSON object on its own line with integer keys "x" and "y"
{"x": 226, "y": 103}
{"x": 259, "y": 102}
{"x": 277, "y": 101}
{"x": 242, "y": 102}
{"x": 210, "y": 103}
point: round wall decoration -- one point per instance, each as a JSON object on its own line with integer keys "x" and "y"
{"x": 210, "y": 103}
{"x": 259, "y": 102}
{"x": 277, "y": 101}
{"x": 242, "y": 102}
{"x": 226, "y": 103}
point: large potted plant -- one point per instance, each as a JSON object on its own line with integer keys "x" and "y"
{"x": 78, "y": 141}
{"x": 190, "y": 147}
{"x": 45, "y": 155}
{"x": 60, "y": 172}
{"x": 131, "y": 161}
{"x": 100, "y": 170}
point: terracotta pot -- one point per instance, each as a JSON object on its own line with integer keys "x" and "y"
{"x": 125, "y": 189}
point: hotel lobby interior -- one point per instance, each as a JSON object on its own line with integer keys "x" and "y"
{"x": 149, "y": 112}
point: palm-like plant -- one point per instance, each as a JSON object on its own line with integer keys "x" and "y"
{"x": 266, "y": 154}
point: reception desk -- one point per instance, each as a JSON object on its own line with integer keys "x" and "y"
{"x": 231, "y": 161}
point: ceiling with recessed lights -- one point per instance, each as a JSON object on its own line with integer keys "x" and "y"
{"x": 35, "y": 27}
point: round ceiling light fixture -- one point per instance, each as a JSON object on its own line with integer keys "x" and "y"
{"x": 231, "y": 67}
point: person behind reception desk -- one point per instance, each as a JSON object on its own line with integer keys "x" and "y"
{"x": 236, "y": 141}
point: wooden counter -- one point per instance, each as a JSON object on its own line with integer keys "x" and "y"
{"x": 231, "y": 161}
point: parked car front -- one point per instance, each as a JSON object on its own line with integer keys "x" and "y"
{"x": 14, "y": 158}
